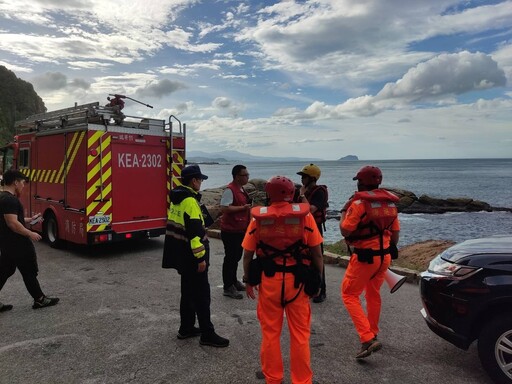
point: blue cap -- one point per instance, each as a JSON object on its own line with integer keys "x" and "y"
{"x": 191, "y": 171}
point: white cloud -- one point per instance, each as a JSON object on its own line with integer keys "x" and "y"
{"x": 437, "y": 79}
{"x": 341, "y": 43}
{"x": 98, "y": 33}
{"x": 160, "y": 88}
{"x": 50, "y": 81}
{"x": 88, "y": 64}
{"x": 504, "y": 58}
{"x": 446, "y": 74}
{"x": 380, "y": 79}
{"x": 15, "y": 68}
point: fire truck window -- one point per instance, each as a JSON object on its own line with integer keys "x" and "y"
{"x": 24, "y": 158}
{"x": 8, "y": 159}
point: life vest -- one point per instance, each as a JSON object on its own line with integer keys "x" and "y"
{"x": 321, "y": 213}
{"x": 281, "y": 245}
{"x": 237, "y": 221}
{"x": 380, "y": 213}
{"x": 281, "y": 232}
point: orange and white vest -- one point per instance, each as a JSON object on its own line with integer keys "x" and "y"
{"x": 281, "y": 232}
{"x": 380, "y": 213}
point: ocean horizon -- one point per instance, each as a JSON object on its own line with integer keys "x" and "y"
{"x": 487, "y": 180}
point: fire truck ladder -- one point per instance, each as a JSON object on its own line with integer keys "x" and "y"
{"x": 60, "y": 119}
{"x": 176, "y": 155}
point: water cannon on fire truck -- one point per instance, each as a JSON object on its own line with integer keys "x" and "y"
{"x": 117, "y": 100}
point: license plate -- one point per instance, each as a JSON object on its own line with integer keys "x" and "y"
{"x": 98, "y": 220}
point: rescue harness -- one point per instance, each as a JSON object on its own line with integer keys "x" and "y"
{"x": 281, "y": 233}
{"x": 380, "y": 214}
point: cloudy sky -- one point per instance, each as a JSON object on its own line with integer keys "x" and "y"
{"x": 380, "y": 79}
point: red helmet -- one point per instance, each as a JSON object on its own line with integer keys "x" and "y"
{"x": 280, "y": 188}
{"x": 369, "y": 175}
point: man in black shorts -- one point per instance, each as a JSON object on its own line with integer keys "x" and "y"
{"x": 17, "y": 249}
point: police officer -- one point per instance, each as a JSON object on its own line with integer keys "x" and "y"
{"x": 186, "y": 249}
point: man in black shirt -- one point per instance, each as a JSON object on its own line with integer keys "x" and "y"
{"x": 17, "y": 249}
{"x": 317, "y": 197}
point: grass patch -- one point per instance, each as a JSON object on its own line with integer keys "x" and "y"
{"x": 339, "y": 248}
{"x": 415, "y": 256}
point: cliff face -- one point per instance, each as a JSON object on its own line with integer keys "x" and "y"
{"x": 17, "y": 101}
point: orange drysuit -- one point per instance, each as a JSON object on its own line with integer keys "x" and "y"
{"x": 270, "y": 310}
{"x": 362, "y": 276}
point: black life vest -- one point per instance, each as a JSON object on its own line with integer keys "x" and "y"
{"x": 320, "y": 215}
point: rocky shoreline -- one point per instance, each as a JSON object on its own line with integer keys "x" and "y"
{"x": 409, "y": 203}
{"x": 412, "y": 258}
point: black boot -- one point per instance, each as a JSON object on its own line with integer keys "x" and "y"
{"x": 213, "y": 340}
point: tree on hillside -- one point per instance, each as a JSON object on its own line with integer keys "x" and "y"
{"x": 17, "y": 101}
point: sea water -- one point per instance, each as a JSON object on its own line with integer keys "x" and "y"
{"x": 488, "y": 180}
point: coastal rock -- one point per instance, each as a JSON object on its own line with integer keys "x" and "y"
{"x": 409, "y": 203}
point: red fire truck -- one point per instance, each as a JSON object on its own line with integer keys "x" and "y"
{"x": 97, "y": 175}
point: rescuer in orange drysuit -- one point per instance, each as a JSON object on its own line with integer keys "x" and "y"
{"x": 370, "y": 225}
{"x": 286, "y": 272}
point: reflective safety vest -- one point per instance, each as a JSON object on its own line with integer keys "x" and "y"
{"x": 380, "y": 213}
{"x": 281, "y": 232}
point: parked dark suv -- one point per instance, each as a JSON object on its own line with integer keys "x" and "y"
{"x": 467, "y": 295}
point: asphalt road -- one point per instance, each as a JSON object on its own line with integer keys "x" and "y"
{"x": 118, "y": 318}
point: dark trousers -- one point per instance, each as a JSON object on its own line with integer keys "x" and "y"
{"x": 26, "y": 262}
{"x": 322, "y": 285}
{"x": 195, "y": 300}
{"x": 232, "y": 254}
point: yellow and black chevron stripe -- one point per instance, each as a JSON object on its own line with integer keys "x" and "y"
{"x": 99, "y": 179}
{"x": 58, "y": 176}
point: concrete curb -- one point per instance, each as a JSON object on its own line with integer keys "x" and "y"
{"x": 333, "y": 258}
{"x": 213, "y": 233}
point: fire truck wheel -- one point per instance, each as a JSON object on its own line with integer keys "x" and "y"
{"x": 51, "y": 230}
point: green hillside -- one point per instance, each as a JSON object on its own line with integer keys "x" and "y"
{"x": 17, "y": 101}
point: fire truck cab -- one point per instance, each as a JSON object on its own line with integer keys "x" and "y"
{"x": 97, "y": 175}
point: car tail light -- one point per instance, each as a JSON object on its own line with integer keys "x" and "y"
{"x": 449, "y": 270}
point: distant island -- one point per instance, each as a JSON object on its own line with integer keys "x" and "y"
{"x": 349, "y": 158}
{"x": 229, "y": 157}
{"x": 207, "y": 160}
{"x": 239, "y": 157}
